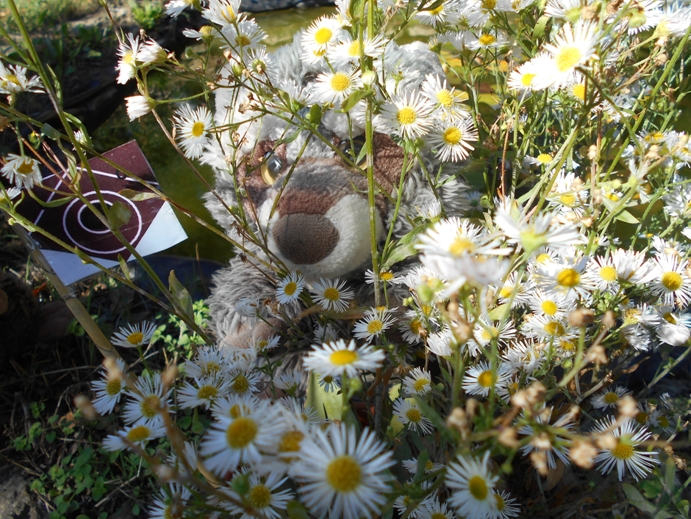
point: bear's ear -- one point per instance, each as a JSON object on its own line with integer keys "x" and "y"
{"x": 260, "y": 171}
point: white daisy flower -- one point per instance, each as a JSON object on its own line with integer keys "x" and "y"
{"x": 22, "y": 171}
{"x": 244, "y": 382}
{"x": 209, "y": 361}
{"x": 385, "y": 276}
{"x": 338, "y": 357}
{"x": 109, "y": 389}
{"x": 549, "y": 328}
{"x": 175, "y": 7}
{"x": 230, "y": 442}
{"x": 129, "y": 55}
{"x": 673, "y": 328}
{"x": 442, "y": 343}
{"x": 152, "y": 53}
{"x": 235, "y": 405}
{"x": 243, "y": 36}
{"x": 203, "y": 392}
{"x": 323, "y": 34}
{"x": 137, "y": 434}
{"x": 372, "y": 325}
{"x": 408, "y": 116}
{"x": 480, "y": 378}
{"x": 132, "y": 336}
{"x": 290, "y": 288}
{"x": 524, "y": 355}
{"x": 137, "y": 106}
{"x": 223, "y": 12}
{"x": 192, "y": 127}
{"x": 408, "y": 501}
{"x": 342, "y": 475}
{"x": 522, "y": 78}
{"x": 565, "y": 277}
{"x": 410, "y": 415}
{"x": 608, "y": 398}
{"x": 433, "y": 509}
{"x": 546, "y": 440}
{"x": 668, "y": 280}
{"x": 334, "y": 87}
{"x": 145, "y": 405}
{"x": 572, "y": 48}
{"x": 331, "y": 295}
{"x": 445, "y": 98}
{"x": 487, "y": 40}
{"x": 13, "y": 80}
{"x": 452, "y": 139}
{"x": 624, "y": 454}
{"x": 417, "y": 382}
{"x": 506, "y": 506}
{"x": 411, "y": 466}
{"x": 445, "y": 13}
{"x": 289, "y": 382}
{"x": 263, "y": 345}
{"x": 347, "y": 51}
{"x": 472, "y": 487}
{"x": 329, "y": 383}
{"x": 568, "y": 10}
{"x": 263, "y": 495}
{"x": 170, "y": 502}
{"x": 551, "y": 304}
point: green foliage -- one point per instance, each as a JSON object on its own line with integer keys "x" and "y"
{"x": 176, "y": 335}
{"x": 147, "y": 13}
{"x": 41, "y": 14}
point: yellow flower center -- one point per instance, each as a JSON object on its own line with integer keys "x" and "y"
{"x": 290, "y": 442}
{"x": 375, "y": 326}
{"x": 501, "y": 504}
{"x": 343, "y": 357}
{"x": 173, "y": 511}
{"x": 415, "y": 326}
{"x": 438, "y": 515}
{"x": 568, "y": 278}
{"x": 138, "y": 434}
{"x": 340, "y": 82}
{"x": 544, "y": 158}
{"x": 486, "y": 39}
{"x": 554, "y": 328}
{"x": 568, "y": 200}
{"x": 567, "y": 58}
{"x": 323, "y": 35}
{"x": 414, "y": 415}
{"x": 386, "y": 276}
{"x": 135, "y": 338}
{"x": 344, "y": 474}
{"x": 207, "y": 392}
{"x": 421, "y": 384}
{"x": 478, "y": 488}
{"x": 230, "y": 14}
{"x": 641, "y": 418}
{"x": 354, "y": 49}
{"x": 26, "y": 167}
{"x": 259, "y": 496}
{"x": 241, "y": 432}
{"x": 445, "y": 98}
{"x": 608, "y": 273}
{"x": 241, "y": 384}
{"x": 332, "y": 294}
{"x": 672, "y": 281}
{"x": 669, "y": 318}
{"x": 198, "y": 129}
{"x": 406, "y": 115}
{"x": 578, "y": 91}
{"x": 242, "y": 40}
{"x": 567, "y": 346}
{"x": 210, "y": 368}
{"x": 622, "y": 451}
{"x": 543, "y": 258}
{"x": 290, "y": 288}
{"x": 128, "y": 58}
{"x": 438, "y": 10}
{"x": 236, "y": 410}
{"x": 429, "y": 465}
{"x": 505, "y": 292}
{"x": 489, "y": 4}
{"x": 527, "y": 79}
{"x": 113, "y": 387}
{"x": 452, "y": 136}
{"x": 485, "y": 378}
{"x": 611, "y": 397}
{"x": 663, "y": 421}
{"x": 461, "y": 246}
{"x": 150, "y": 406}
{"x": 549, "y": 307}
{"x": 206, "y": 31}
{"x": 328, "y": 379}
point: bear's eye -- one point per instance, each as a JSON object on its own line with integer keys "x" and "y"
{"x": 271, "y": 167}
{"x": 352, "y": 150}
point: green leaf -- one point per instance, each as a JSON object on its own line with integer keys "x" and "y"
{"x": 315, "y": 116}
{"x": 637, "y": 500}
{"x": 136, "y": 196}
{"x": 50, "y": 132}
{"x": 404, "y": 248}
{"x": 622, "y": 214}
{"x": 123, "y": 266}
{"x": 352, "y": 100}
{"x": 182, "y": 298}
{"x": 499, "y": 312}
{"x": 432, "y": 6}
{"x": 118, "y": 215}
{"x": 355, "y": 8}
{"x": 297, "y": 510}
{"x": 539, "y": 30}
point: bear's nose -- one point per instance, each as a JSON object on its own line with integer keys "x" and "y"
{"x": 305, "y": 239}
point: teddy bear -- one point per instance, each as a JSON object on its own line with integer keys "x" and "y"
{"x": 303, "y": 193}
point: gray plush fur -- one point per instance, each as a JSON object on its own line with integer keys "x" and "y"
{"x": 245, "y": 277}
